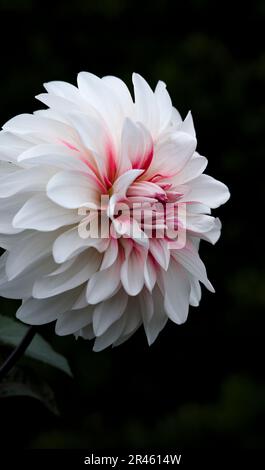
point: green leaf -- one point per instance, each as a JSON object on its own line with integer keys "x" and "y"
{"x": 42, "y": 393}
{"x": 12, "y": 332}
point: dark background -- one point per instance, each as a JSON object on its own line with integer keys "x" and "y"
{"x": 201, "y": 384}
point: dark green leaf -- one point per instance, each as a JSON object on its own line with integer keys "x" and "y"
{"x": 41, "y": 393}
{"x": 11, "y": 333}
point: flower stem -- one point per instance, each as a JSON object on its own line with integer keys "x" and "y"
{"x": 18, "y": 352}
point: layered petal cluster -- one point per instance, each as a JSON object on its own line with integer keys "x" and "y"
{"x": 95, "y": 142}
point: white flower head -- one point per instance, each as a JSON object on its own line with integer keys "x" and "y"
{"x": 103, "y": 204}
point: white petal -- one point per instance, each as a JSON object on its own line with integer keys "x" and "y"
{"x": 198, "y": 208}
{"x": 10, "y": 140}
{"x": 195, "y": 242}
{"x": 122, "y": 94}
{"x": 3, "y": 259}
{"x": 72, "y": 320}
{"x": 32, "y": 247}
{"x": 78, "y": 273}
{"x": 188, "y": 125}
{"x": 128, "y": 227}
{"x": 132, "y": 272}
{"x": 40, "y": 213}
{"x": 69, "y": 244}
{"x": 164, "y": 105}
{"x": 195, "y": 292}
{"x": 103, "y": 284}
{"x": 145, "y": 104}
{"x": 9, "y": 168}
{"x": 99, "y": 95}
{"x": 93, "y": 133}
{"x": 81, "y": 301}
{"x": 33, "y": 179}
{"x": 109, "y": 311}
{"x": 122, "y": 183}
{"x": 72, "y": 189}
{"x": 58, "y": 103}
{"x": 144, "y": 189}
{"x": 21, "y": 287}
{"x": 133, "y": 316}
{"x": 8, "y": 241}
{"x": 172, "y": 154}
{"x": 214, "y": 234}
{"x": 193, "y": 168}
{"x": 11, "y": 146}
{"x": 189, "y": 258}
{"x": 86, "y": 332}
{"x": 199, "y": 223}
{"x": 49, "y": 130}
{"x": 63, "y": 89}
{"x": 177, "y": 293}
{"x": 9, "y": 208}
{"x": 53, "y": 155}
{"x": 110, "y": 255}
{"x": 40, "y": 312}
{"x": 147, "y": 305}
{"x": 159, "y": 249}
{"x": 122, "y": 338}
{"x": 156, "y": 322}
{"x": 176, "y": 118}
{"x": 110, "y": 336}
{"x": 61, "y": 268}
{"x": 51, "y": 115}
{"x": 207, "y": 190}
{"x": 136, "y": 146}
{"x": 149, "y": 274}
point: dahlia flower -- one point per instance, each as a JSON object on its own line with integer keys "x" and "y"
{"x": 103, "y": 205}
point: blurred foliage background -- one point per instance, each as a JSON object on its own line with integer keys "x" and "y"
{"x": 201, "y": 384}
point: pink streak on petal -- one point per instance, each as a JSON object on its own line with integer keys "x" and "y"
{"x": 143, "y": 162}
{"x": 161, "y": 197}
{"x": 157, "y": 177}
{"x": 173, "y": 196}
{"x": 112, "y": 164}
{"x": 165, "y": 186}
{"x": 94, "y": 174}
{"x": 107, "y": 182}
{"x": 70, "y": 146}
{"x": 148, "y": 159}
